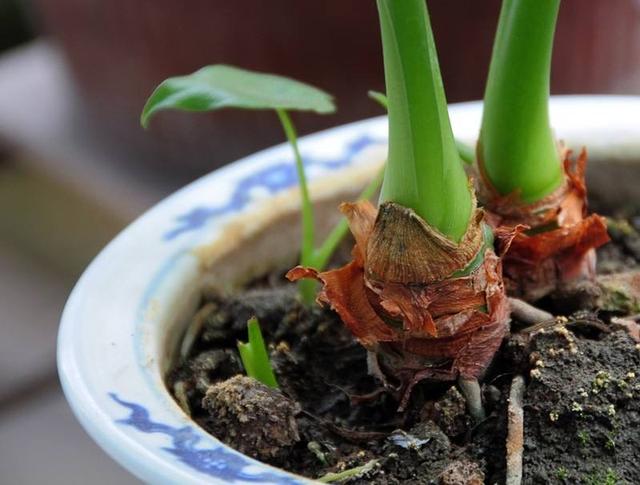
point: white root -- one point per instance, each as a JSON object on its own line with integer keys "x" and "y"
{"x": 470, "y": 389}
{"x": 527, "y": 313}
{"x": 515, "y": 435}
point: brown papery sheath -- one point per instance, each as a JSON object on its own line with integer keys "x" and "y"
{"x": 401, "y": 298}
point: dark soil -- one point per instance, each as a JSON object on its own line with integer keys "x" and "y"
{"x": 582, "y": 403}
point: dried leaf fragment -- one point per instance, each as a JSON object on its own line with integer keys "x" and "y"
{"x": 555, "y": 240}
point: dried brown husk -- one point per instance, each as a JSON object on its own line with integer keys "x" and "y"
{"x": 555, "y": 238}
{"x": 424, "y": 321}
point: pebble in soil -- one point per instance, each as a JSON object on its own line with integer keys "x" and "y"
{"x": 252, "y": 417}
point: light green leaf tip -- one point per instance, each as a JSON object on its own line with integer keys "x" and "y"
{"x": 254, "y": 356}
{"x": 379, "y": 98}
{"x": 221, "y": 86}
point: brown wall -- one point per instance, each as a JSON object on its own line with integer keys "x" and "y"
{"x": 120, "y": 49}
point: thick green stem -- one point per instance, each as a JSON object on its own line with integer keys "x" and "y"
{"x": 424, "y": 171}
{"x": 307, "y": 288}
{"x": 517, "y": 148}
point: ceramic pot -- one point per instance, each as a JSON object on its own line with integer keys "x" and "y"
{"x": 123, "y": 321}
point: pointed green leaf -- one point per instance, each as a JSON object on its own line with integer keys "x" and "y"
{"x": 255, "y": 357}
{"x": 221, "y": 86}
{"x": 380, "y": 98}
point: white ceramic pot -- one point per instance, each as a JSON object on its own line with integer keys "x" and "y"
{"x": 124, "y": 318}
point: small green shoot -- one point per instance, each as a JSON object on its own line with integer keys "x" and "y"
{"x": 583, "y": 437}
{"x": 517, "y": 149}
{"x": 607, "y": 477}
{"x": 379, "y": 98}
{"x": 254, "y": 356}
{"x": 610, "y": 443}
{"x": 562, "y": 473}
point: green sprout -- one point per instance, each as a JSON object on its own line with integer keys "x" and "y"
{"x": 583, "y": 437}
{"x": 424, "y": 171}
{"x": 562, "y": 473}
{"x": 606, "y": 477}
{"x": 517, "y": 149}
{"x": 254, "y": 356}
{"x": 215, "y": 87}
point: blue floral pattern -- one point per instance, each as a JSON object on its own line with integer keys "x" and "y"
{"x": 190, "y": 445}
{"x": 216, "y": 461}
{"x": 274, "y": 178}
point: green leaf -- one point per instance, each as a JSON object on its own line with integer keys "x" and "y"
{"x": 221, "y": 86}
{"x": 254, "y": 356}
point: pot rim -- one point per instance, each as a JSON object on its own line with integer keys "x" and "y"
{"x": 111, "y": 337}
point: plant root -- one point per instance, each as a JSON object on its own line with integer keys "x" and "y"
{"x": 527, "y": 313}
{"x": 628, "y": 325}
{"x": 515, "y": 436}
{"x": 373, "y": 368}
{"x": 351, "y": 435}
{"x": 470, "y": 389}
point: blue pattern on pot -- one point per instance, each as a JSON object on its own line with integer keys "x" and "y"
{"x": 274, "y": 178}
{"x": 188, "y": 444}
{"x": 217, "y": 461}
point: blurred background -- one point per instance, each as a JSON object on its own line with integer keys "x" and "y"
{"x": 75, "y": 166}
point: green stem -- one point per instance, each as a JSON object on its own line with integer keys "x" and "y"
{"x": 328, "y": 247}
{"x": 424, "y": 171}
{"x": 517, "y": 148}
{"x": 467, "y": 154}
{"x": 306, "y": 287}
{"x": 306, "y": 251}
